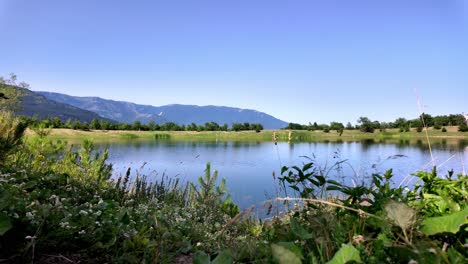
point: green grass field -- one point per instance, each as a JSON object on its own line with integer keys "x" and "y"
{"x": 267, "y": 135}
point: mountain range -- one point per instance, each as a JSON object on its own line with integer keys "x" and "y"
{"x": 23, "y": 101}
{"x": 181, "y": 114}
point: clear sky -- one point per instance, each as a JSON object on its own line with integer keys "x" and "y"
{"x": 301, "y": 61}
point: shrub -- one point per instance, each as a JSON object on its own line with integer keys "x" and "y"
{"x": 463, "y": 128}
{"x": 11, "y": 132}
{"x": 444, "y": 129}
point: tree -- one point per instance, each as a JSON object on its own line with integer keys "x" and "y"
{"x": 224, "y": 127}
{"x": 426, "y": 119}
{"x": 77, "y": 125}
{"x": 95, "y": 124}
{"x": 336, "y": 126}
{"x": 349, "y": 126}
{"x": 136, "y": 125}
{"x": 295, "y": 126}
{"x": 68, "y": 123}
{"x": 105, "y": 125}
{"x": 12, "y": 80}
{"x": 152, "y": 125}
{"x": 366, "y": 125}
{"x": 236, "y": 127}
{"x": 257, "y": 127}
{"x": 400, "y": 123}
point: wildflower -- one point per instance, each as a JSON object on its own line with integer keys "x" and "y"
{"x": 82, "y": 232}
{"x": 29, "y": 215}
{"x": 97, "y": 223}
{"x": 64, "y": 225}
{"x": 83, "y": 212}
{"x": 15, "y": 215}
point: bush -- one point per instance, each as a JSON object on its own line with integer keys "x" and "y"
{"x": 11, "y": 132}
{"x": 444, "y": 130}
{"x": 463, "y": 128}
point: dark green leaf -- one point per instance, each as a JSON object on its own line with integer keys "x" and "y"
{"x": 224, "y": 257}
{"x": 201, "y": 257}
{"x": 5, "y": 224}
{"x": 299, "y": 231}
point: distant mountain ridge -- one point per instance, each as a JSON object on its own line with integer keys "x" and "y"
{"x": 181, "y": 114}
{"x": 23, "y": 101}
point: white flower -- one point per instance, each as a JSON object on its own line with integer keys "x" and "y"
{"x": 83, "y": 212}
{"x": 82, "y": 232}
{"x": 97, "y": 223}
{"x": 98, "y": 213}
{"x": 64, "y": 225}
{"x": 29, "y": 215}
{"x": 15, "y": 215}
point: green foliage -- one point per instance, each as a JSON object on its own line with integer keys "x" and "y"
{"x": 11, "y": 132}
{"x": 365, "y": 125}
{"x": 284, "y": 255}
{"x": 463, "y": 128}
{"x": 211, "y": 194}
{"x": 445, "y": 224}
{"x": 346, "y": 254}
{"x": 246, "y": 126}
{"x": 438, "y": 196}
{"x": 57, "y": 199}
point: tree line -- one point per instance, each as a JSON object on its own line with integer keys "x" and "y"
{"x": 98, "y": 124}
{"x": 364, "y": 124}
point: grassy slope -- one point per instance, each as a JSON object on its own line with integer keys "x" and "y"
{"x": 266, "y": 135}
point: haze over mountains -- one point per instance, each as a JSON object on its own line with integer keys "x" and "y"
{"x": 28, "y": 103}
{"x": 181, "y": 114}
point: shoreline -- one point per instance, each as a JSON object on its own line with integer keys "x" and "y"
{"x": 249, "y": 136}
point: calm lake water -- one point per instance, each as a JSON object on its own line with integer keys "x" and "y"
{"x": 248, "y": 166}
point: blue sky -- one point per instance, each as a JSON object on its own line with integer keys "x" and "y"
{"x": 298, "y": 60}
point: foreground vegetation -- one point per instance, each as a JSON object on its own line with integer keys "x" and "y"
{"x": 59, "y": 205}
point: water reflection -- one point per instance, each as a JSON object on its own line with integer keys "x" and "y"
{"x": 248, "y": 166}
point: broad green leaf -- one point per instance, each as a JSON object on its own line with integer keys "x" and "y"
{"x": 441, "y": 224}
{"x": 4, "y": 197}
{"x": 299, "y": 231}
{"x": 201, "y": 257}
{"x": 5, "y": 224}
{"x": 400, "y": 213}
{"x": 386, "y": 241}
{"x": 292, "y": 247}
{"x": 345, "y": 254}
{"x": 284, "y": 255}
{"x": 224, "y": 257}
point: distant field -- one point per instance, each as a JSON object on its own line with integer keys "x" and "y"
{"x": 266, "y": 135}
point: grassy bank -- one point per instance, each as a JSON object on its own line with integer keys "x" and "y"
{"x": 266, "y": 135}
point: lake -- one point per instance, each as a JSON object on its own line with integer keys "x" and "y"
{"x": 249, "y": 166}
